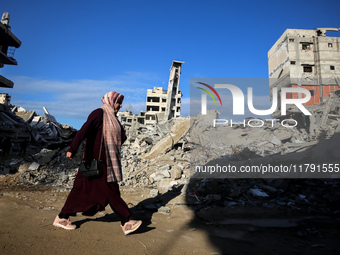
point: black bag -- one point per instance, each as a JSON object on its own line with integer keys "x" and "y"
{"x": 93, "y": 168}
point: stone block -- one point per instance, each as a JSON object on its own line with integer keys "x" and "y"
{"x": 164, "y": 185}
{"x": 164, "y": 210}
{"x": 176, "y": 172}
{"x": 165, "y": 173}
{"x": 178, "y": 130}
{"x": 154, "y": 192}
{"x": 34, "y": 166}
{"x": 258, "y": 193}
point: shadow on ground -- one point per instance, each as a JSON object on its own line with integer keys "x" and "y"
{"x": 301, "y": 216}
{"x": 142, "y": 211}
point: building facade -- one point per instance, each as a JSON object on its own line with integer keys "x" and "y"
{"x": 127, "y": 118}
{"x": 161, "y": 104}
{"x": 165, "y": 104}
{"x": 156, "y": 104}
{"x": 308, "y": 59}
{"x": 8, "y": 43}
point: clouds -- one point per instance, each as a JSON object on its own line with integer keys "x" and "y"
{"x": 71, "y": 101}
{"x": 74, "y": 100}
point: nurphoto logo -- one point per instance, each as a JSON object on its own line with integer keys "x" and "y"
{"x": 238, "y": 99}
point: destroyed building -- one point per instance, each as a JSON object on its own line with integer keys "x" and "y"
{"x": 8, "y": 43}
{"x": 128, "y": 118}
{"x": 165, "y": 104}
{"x": 173, "y": 108}
{"x": 18, "y": 126}
{"x": 308, "y": 59}
{"x": 10, "y": 125}
{"x": 156, "y": 103}
{"x": 160, "y": 161}
{"x": 160, "y": 158}
{"x": 160, "y": 104}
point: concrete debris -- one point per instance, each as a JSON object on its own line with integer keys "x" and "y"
{"x": 154, "y": 192}
{"x": 176, "y": 172}
{"x": 34, "y": 166}
{"x": 26, "y": 130}
{"x": 179, "y": 129}
{"x": 164, "y": 210}
{"x": 159, "y": 158}
{"x": 258, "y": 193}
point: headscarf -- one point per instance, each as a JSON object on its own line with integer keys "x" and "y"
{"x": 112, "y": 133}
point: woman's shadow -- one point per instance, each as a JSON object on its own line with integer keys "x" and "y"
{"x": 142, "y": 211}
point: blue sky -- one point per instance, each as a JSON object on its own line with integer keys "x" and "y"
{"x": 73, "y": 52}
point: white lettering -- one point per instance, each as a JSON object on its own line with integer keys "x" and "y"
{"x": 297, "y": 101}
{"x": 255, "y": 121}
{"x": 238, "y": 97}
{"x": 238, "y": 100}
{"x": 289, "y": 120}
{"x": 262, "y": 112}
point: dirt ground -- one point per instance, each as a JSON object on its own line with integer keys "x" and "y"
{"x": 27, "y": 213}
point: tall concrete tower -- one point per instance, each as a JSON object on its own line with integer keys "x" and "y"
{"x": 173, "y": 108}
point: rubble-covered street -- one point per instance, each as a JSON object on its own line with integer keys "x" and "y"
{"x": 294, "y": 214}
{"x": 220, "y": 122}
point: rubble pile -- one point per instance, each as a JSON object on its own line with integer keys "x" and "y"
{"x": 36, "y": 148}
{"x": 244, "y": 142}
{"x": 159, "y": 158}
{"x": 160, "y": 161}
{"x": 47, "y": 167}
{"x": 313, "y": 196}
{"x": 44, "y": 128}
{"x": 27, "y": 129}
{"x": 316, "y": 140}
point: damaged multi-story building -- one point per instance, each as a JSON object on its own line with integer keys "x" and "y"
{"x": 8, "y": 43}
{"x": 308, "y": 59}
{"x": 18, "y": 127}
{"x": 10, "y": 124}
{"x": 161, "y": 104}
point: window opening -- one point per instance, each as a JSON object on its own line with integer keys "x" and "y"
{"x": 307, "y": 69}
{"x": 305, "y": 46}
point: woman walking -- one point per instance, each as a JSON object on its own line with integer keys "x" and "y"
{"x": 104, "y": 136}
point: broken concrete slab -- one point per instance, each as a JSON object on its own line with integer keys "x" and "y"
{"x": 165, "y": 185}
{"x": 154, "y": 192}
{"x": 275, "y": 141}
{"x": 178, "y": 130}
{"x": 283, "y": 135}
{"x": 34, "y": 166}
{"x": 176, "y": 172}
{"x": 258, "y": 193}
{"x": 164, "y": 210}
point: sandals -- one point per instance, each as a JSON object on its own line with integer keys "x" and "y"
{"x": 64, "y": 223}
{"x": 130, "y": 226}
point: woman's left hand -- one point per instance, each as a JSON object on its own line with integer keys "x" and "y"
{"x": 69, "y": 154}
